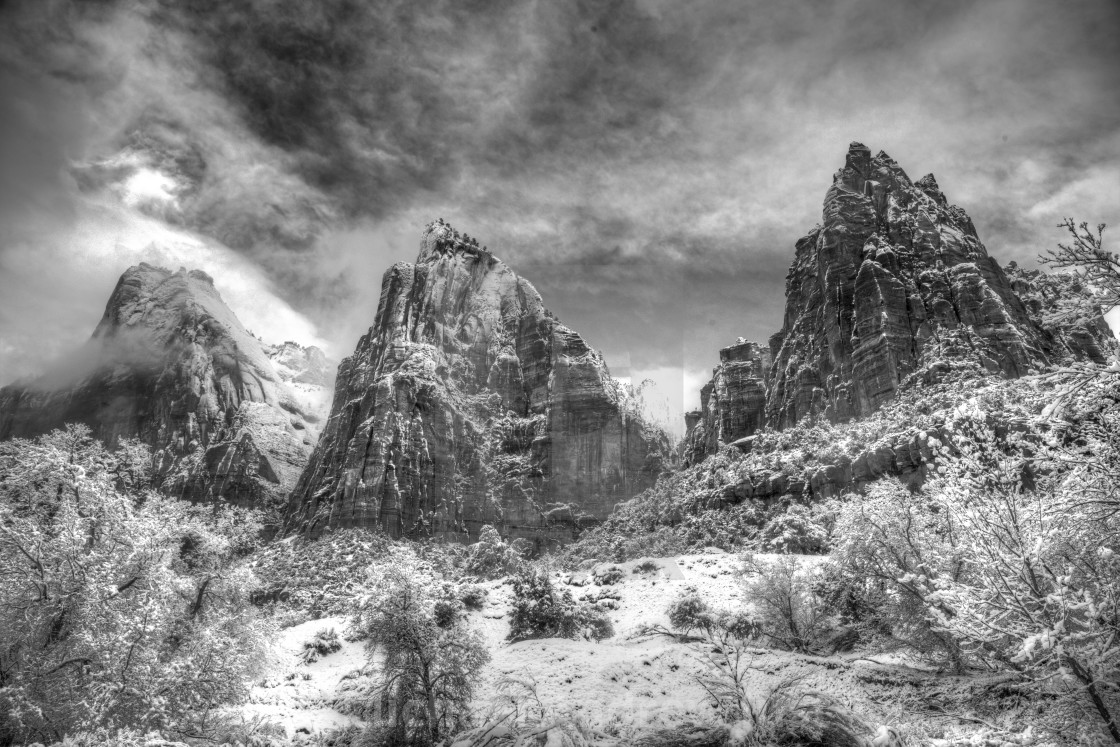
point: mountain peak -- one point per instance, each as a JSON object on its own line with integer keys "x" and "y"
{"x": 169, "y": 363}
{"x": 892, "y": 284}
{"x": 441, "y": 239}
{"x": 858, "y": 159}
{"x": 463, "y": 362}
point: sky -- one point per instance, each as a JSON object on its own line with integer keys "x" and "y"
{"x": 648, "y": 165}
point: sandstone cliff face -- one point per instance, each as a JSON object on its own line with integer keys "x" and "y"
{"x": 468, "y": 403}
{"x": 308, "y": 375}
{"x": 1062, "y": 305}
{"x": 894, "y": 279}
{"x": 732, "y": 404}
{"x": 894, "y": 283}
{"x": 171, "y": 365}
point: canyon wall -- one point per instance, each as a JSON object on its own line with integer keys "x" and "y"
{"x": 468, "y": 403}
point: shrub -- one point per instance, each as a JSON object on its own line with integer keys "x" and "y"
{"x": 790, "y": 716}
{"x": 541, "y": 611}
{"x": 797, "y": 529}
{"x": 854, "y": 601}
{"x": 782, "y": 593}
{"x": 690, "y": 612}
{"x": 472, "y": 596}
{"x": 885, "y": 544}
{"x": 491, "y": 557}
{"x": 608, "y": 576}
{"x": 647, "y": 566}
{"x": 325, "y": 642}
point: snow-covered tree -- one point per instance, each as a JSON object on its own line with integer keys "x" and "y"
{"x": 428, "y": 658}
{"x": 119, "y": 607}
{"x": 1009, "y": 557}
{"x": 1085, "y": 253}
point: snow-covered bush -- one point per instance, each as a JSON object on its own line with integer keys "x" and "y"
{"x": 690, "y": 613}
{"x": 1008, "y": 559}
{"x": 428, "y": 660}
{"x": 491, "y": 557}
{"x": 782, "y": 595}
{"x": 887, "y": 544}
{"x": 472, "y": 596}
{"x": 542, "y": 611}
{"x": 118, "y": 606}
{"x": 797, "y": 529}
{"x": 324, "y": 642}
{"x": 1037, "y": 524}
{"x": 608, "y": 576}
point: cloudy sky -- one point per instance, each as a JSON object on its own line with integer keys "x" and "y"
{"x": 647, "y": 164}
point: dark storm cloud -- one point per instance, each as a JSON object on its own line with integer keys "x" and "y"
{"x": 649, "y": 164}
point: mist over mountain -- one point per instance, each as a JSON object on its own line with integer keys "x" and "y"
{"x": 169, "y": 365}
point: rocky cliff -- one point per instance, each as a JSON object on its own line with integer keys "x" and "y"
{"x": 1068, "y": 309}
{"x": 894, "y": 280}
{"x": 171, "y": 365}
{"x": 468, "y": 403}
{"x": 893, "y": 286}
{"x": 732, "y": 403}
{"x": 309, "y": 375}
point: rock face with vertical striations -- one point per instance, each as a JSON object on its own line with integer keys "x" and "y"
{"x": 468, "y": 403}
{"x": 171, "y": 365}
{"x": 732, "y": 403}
{"x": 894, "y": 282}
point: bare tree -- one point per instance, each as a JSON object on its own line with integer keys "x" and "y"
{"x": 1085, "y": 253}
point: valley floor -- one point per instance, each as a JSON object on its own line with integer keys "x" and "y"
{"x": 630, "y": 682}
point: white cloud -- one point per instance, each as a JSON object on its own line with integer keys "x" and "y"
{"x": 1097, "y": 193}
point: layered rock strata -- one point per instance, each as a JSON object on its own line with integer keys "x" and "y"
{"x": 468, "y": 403}
{"x": 171, "y": 365}
{"x": 875, "y": 288}
{"x": 732, "y": 403}
{"x": 894, "y": 284}
{"x": 309, "y": 375}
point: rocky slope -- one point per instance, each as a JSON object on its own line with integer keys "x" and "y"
{"x": 468, "y": 403}
{"x": 1066, "y": 308}
{"x": 171, "y": 365}
{"x": 894, "y": 284}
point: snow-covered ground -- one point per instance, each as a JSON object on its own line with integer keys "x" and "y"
{"x": 614, "y": 686}
{"x": 295, "y": 695}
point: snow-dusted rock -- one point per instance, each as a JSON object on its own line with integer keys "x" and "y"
{"x": 170, "y": 364}
{"x": 468, "y": 403}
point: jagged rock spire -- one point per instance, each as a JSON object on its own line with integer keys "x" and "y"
{"x": 894, "y": 283}
{"x": 467, "y": 403}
